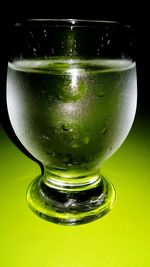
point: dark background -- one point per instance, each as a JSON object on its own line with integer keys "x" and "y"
{"x": 127, "y": 12}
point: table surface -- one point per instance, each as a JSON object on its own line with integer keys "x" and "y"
{"x": 119, "y": 239}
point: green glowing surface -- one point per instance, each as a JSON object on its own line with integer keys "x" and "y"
{"x": 119, "y": 239}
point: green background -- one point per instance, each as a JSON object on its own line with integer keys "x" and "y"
{"x": 119, "y": 239}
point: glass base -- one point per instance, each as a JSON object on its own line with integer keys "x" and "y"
{"x": 70, "y": 207}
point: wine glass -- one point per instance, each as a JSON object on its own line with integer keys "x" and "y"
{"x": 71, "y": 96}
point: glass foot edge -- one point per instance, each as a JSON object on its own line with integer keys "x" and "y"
{"x": 73, "y": 208}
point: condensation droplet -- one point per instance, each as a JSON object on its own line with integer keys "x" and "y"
{"x": 50, "y": 97}
{"x": 31, "y": 33}
{"x": 108, "y": 42}
{"x": 44, "y": 137}
{"x": 38, "y": 45}
{"x": 86, "y": 140}
{"x": 65, "y": 127}
{"x": 100, "y": 93}
{"x": 110, "y": 148}
{"x": 74, "y": 145}
{"x": 104, "y": 130}
{"x": 52, "y": 154}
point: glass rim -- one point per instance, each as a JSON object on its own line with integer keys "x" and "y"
{"x": 64, "y": 22}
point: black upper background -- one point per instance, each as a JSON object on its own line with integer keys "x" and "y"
{"x": 127, "y": 12}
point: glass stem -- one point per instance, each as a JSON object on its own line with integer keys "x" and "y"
{"x": 65, "y": 181}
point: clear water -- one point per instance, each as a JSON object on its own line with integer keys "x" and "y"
{"x": 72, "y": 114}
